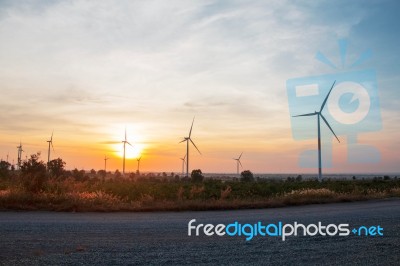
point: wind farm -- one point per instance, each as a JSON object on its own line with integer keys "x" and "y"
{"x": 188, "y": 185}
{"x": 294, "y": 111}
{"x": 116, "y": 99}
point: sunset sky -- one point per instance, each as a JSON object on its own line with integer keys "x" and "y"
{"x": 88, "y": 69}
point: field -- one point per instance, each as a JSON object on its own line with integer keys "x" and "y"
{"x": 91, "y": 193}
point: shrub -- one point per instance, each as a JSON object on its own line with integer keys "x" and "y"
{"x": 56, "y": 167}
{"x": 247, "y": 176}
{"x": 197, "y": 175}
{"x": 4, "y": 168}
{"x": 34, "y": 173}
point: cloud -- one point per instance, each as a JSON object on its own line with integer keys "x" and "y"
{"x": 88, "y": 64}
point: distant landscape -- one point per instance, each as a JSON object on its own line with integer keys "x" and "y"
{"x": 37, "y": 186}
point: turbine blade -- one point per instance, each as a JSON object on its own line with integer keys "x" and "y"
{"x": 240, "y": 156}
{"x": 326, "y": 98}
{"x": 184, "y": 157}
{"x": 129, "y": 143}
{"x": 240, "y": 163}
{"x": 52, "y": 146}
{"x": 190, "y": 132}
{"x": 195, "y": 146}
{"x": 125, "y": 133}
{"x": 182, "y": 141}
{"x": 51, "y": 139}
{"x": 326, "y": 122}
{"x": 309, "y": 114}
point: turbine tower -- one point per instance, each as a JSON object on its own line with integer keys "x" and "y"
{"x": 319, "y": 116}
{"x": 20, "y": 150}
{"x": 105, "y": 163}
{"x": 183, "y": 164}
{"x": 138, "y": 164}
{"x": 187, "y": 139}
{"x": 50, "y": 143}
{"x": 125, "y": 141}
{"x": 238, "y": 162}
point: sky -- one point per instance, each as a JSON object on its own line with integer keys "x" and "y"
{"x": 89, "y": 69}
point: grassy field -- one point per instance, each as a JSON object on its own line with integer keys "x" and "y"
{"x": 118, "y": 194}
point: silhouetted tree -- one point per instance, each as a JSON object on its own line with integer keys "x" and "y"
{"x": 56, "y": 167}
{"x": 132, "y": 176}
{"x": 197, "y": 175}
{"x": 33, "y": 173}
{"x": 117, "y": 173}
{"x": 93, "y": 172}
{"x": 4, "y": 168}
{"x": 247, "y": 176}
{"x": 79, "y": 175}
{"x": 102, "y": 174}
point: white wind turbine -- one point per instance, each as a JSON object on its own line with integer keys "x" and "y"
{"x": 187, "y": 139}
{"x": 183, "y": 164}
{"x": 125, "y": 141}
{"x": 319, "y": 116}
{"x": 105, "y": 163}
{"x": 20, "y": 150}
{"x": 138, "y": 164}
{"x": 238, "y": 162}
{"x": 50, "y": 143}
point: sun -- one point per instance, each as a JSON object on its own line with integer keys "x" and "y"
{"x": 130, "y": 152}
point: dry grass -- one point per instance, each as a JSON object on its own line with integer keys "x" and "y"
{"x": 102, "y": 201}
{"x": 225, "y": 193}
{"x": 126, "y": 195}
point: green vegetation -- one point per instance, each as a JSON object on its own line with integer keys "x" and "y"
{"x": 37, "y": 187}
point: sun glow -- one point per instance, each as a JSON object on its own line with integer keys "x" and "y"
{"x": 130, "y": 152}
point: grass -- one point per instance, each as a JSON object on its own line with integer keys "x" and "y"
{"x": 128, "y": 195}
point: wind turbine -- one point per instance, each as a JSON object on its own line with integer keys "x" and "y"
{"x": 20, "y": 150}
{"x": 319, "y": 116}
{"x": 187, "y": 139}
{"x": 125, "y": 141}
{"x": 183, "y": 164}
{"x": 138, "y": 164}
{"x": 50, "y": 143}
{"x": 238, "y": 162}
{"x": 105, "y": 163}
